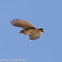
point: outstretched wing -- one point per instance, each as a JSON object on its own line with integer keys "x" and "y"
{"x": 35, "y": 36}
{"x": 22, "y": 23}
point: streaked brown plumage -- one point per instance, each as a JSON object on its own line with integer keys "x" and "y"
{"x": 29, "y": 29}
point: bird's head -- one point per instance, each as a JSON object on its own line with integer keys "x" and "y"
{"x": 42, "y": 30}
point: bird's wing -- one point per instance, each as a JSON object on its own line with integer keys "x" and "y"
{"x": 22, "y": 23}
{"x": 35, "y": 36}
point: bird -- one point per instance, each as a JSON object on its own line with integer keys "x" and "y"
{"x": 28, "y": 28}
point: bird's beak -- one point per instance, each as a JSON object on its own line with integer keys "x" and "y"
{"x": 44, "y": 32}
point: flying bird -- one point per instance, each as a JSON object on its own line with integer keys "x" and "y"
{"x": 28, "y": 28}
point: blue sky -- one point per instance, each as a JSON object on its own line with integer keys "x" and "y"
{"x": 46, "y": 14}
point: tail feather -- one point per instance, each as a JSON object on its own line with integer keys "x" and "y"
{"x": 21, "y": 31}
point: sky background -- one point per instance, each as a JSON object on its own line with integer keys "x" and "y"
{"x": 46, "y": 14}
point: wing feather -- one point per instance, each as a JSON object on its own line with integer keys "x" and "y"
{"x": 22, "y": 23}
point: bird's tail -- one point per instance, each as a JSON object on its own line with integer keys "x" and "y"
{"x": 21, "y": 31}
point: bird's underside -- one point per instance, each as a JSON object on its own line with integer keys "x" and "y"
{"x": 29, "y": 29}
